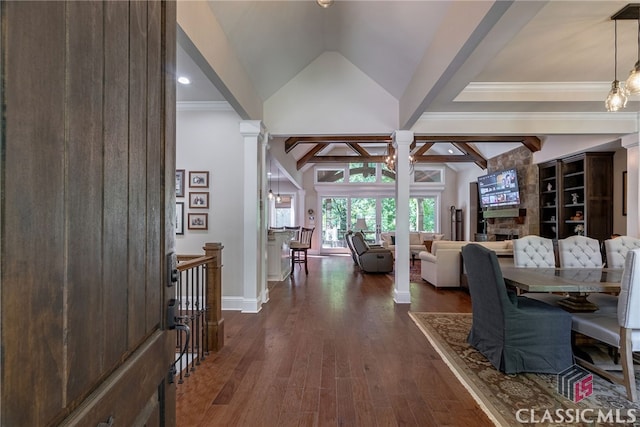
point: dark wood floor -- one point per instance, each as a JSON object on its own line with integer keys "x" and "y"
{"x": 330, "y": 349}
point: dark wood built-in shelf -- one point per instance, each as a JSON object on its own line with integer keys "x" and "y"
{"x": 590, "y": 177}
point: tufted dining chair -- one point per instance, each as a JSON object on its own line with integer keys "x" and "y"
{"x": 620, "y": 329}
{"x": 536, "y": 252}
{"x": 617, "y": 249}
{"x": 533, "y": 251}
{"x": 579, "y": 252}
{"x": 584, "y": 252}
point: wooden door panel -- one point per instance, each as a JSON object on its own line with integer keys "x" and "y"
{"x": 31, "y": 203}
{"x": 116, "y": 180}
{"x": 87, "y": 143}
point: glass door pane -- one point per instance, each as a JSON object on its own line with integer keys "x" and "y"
{"x": 363, "y": 217}
{"x": 387, "y": 214}
{"x": 334, "y": 222}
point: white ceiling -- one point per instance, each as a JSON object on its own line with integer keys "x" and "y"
{"x": 538, "y": 56}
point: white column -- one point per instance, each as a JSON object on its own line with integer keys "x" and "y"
{"x": 630, "y": 143}
{"x": 252, "y": 131}
{"x": 402, "y": 139}
{"x": 263, "y": 207}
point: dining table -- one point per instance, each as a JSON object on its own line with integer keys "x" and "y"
{"x": 576, "y": 283}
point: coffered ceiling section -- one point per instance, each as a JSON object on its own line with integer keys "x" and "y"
{"x": 375, "y": 148}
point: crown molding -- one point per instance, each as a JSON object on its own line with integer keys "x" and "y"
{"x": 534, "y": 91}
{"x": 527, "y": 123}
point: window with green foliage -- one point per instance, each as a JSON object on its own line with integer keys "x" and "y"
{"x": 362, "y": 172}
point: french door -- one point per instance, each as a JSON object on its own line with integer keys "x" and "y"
{"x": 371, "y": 215}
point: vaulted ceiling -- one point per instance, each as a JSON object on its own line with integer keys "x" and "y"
{"x": 521, "y": 57}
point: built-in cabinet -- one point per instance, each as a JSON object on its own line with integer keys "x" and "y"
{"x": 576, "y": 196}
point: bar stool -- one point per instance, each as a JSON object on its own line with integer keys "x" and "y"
{"x": 299, "y": 248}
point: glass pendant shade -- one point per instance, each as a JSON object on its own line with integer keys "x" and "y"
{"x": 632, "y": 85}
{"x": 325, "y": 3}
{"x": 270, "y": 195}
{"x": 617, "y": 97}
{"x": 278, "y": 198}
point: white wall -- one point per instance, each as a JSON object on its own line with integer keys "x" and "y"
{"x": 331, "y": 96}
{"x": 209, "y": 140}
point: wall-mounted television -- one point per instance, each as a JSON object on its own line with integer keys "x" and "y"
{"x": 499, "y": 189}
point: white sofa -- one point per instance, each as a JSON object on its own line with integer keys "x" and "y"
{"x": 442, "y": 266}
{"x": 416, "y": 240}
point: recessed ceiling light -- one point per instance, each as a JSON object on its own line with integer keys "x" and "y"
{"x": 184, "y": 80}
{"x": 450, "y": 151}
{"x": 324, "y": 3}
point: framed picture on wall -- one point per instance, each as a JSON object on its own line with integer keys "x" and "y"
{"x": 199, "y": 179}
{"x": 199, "y": 200}
{"x": 179, "y": 218}
{"x": 198, "y": 221}
{"x": 179, "y": 182}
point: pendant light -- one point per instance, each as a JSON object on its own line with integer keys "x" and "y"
{"x": 278, "y": 198}
{"x": 617, "y": 97}
{"x": 270, "y": 195}
{"x": 632, "y": 84}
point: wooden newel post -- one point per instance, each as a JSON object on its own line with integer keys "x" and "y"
{"x": 215, "y": 322}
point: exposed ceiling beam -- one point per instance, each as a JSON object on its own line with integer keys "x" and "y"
{"x": 470, "y": 149}
{"x": 291, "y": 142}
{"x": 464, "y": 143}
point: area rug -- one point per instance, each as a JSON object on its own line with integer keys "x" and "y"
{"x": 415, "y": 275}
{"x": 521, "y": 399}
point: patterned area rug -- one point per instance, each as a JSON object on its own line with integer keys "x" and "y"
{"x": 414, "y": 273}
{"x": 521, "y": 399}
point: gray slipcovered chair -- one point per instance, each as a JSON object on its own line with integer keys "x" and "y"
{"x": 371, "y": 259}
{"x": 516, "y": 334}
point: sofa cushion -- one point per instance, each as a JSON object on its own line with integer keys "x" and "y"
{"x": 424, "y": 236}
{"x": 414, "y": 238}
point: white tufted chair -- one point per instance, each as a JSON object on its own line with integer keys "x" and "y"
{"x": 584, "y": 252}
{"x": 579, "y": 252}
{"x": 533, "y": 251}
{"x": 616, "y": 250}
{"x": 620, "y": 329}
{"x": 536, "y": 252}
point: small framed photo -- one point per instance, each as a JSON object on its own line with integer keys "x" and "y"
{"x": 180, "y": 218}
{"x": 199, "y": 200}
{"x": 199, "y": 179}
{"x": 198, "y": 221}
{"x": 179, "y": 182}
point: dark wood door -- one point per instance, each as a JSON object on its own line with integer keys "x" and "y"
{"x": 87, "y": 201}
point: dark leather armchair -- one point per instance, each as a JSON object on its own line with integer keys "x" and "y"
{"x": 516, "y": 334}
{"x": 371, "y": 259}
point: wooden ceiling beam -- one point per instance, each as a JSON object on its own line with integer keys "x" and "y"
{"x": 309, "y": 155}
{"x": 357, "y": 148}
{"x": 470, "y": 149}
{"x": 425, "y": 147}
{"x": 445, "y": 158}
{"x": 291, "y": 142}
{"x": 463, "y": 143}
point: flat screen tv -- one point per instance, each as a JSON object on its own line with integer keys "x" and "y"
{"x": 499, "y": 189}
